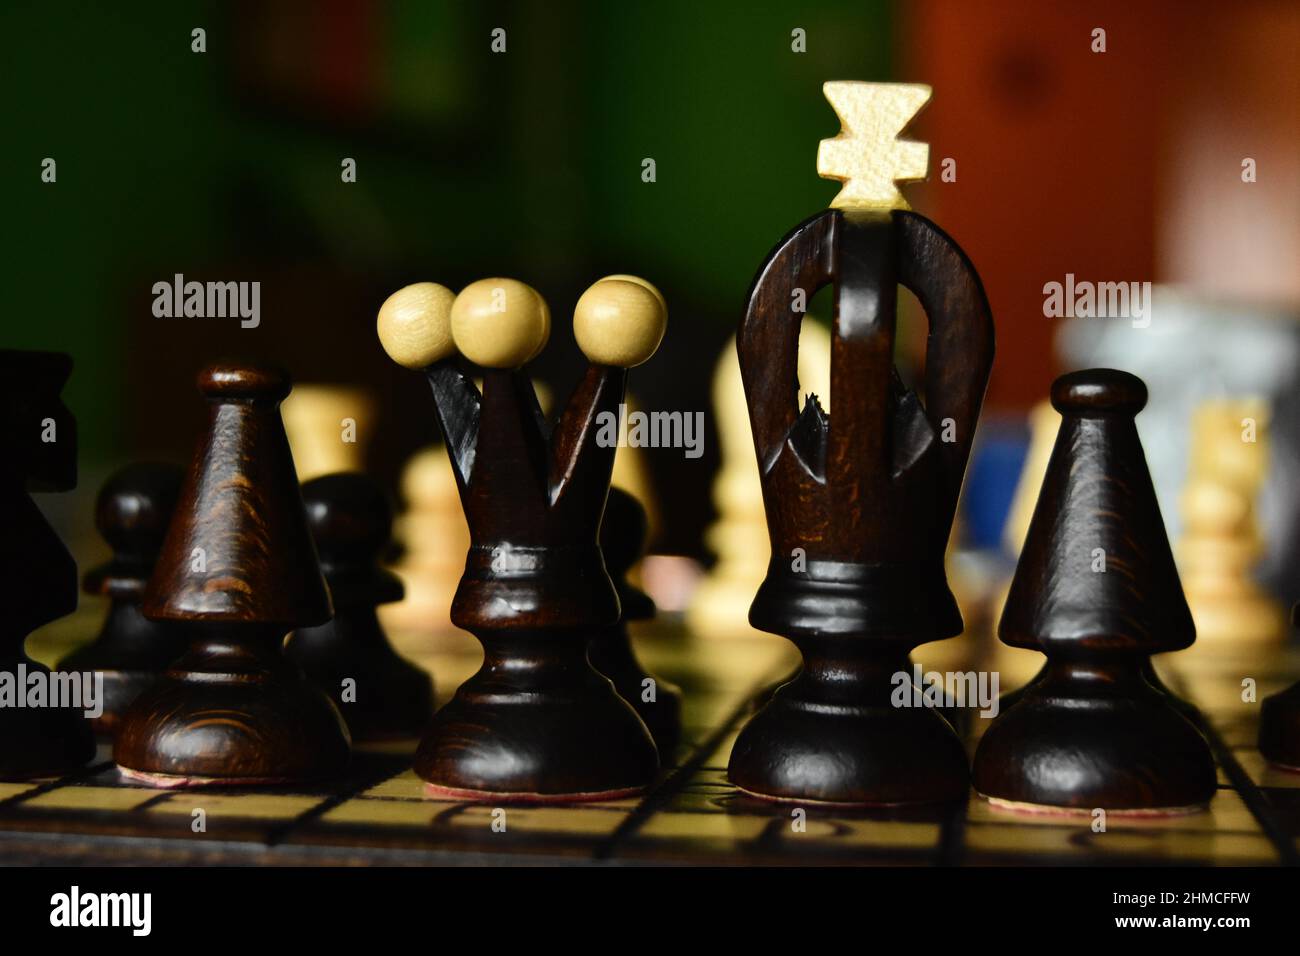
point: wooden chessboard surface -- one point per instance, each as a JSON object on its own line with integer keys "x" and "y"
{"x": 379, "y": 814}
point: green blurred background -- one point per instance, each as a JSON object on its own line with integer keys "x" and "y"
{"x": 226, "y": 165}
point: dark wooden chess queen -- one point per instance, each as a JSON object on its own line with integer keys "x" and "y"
{"x": 38, "y": 578}
{"x": 238, "y": 571}
{"x": 536, "y": 722}
{"x": 1096, "y": 590}
{"x": 859, "y": 507}
{"x": 132, "y": 513}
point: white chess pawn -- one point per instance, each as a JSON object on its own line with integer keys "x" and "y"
{"x": 1221, "y": 541}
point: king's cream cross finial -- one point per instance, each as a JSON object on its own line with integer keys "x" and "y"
{"x": 867, "y": 155}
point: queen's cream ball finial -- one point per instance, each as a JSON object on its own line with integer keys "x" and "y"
{"x": 500, "y": 323}
{"x": 620, "y": 321}
{"x": 414, "y": 324}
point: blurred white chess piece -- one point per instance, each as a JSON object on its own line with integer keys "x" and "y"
{"x": 738, "y": 538}
{"x": 1191, "y": 351}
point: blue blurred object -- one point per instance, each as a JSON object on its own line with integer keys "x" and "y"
{"x": 996, "y": 463}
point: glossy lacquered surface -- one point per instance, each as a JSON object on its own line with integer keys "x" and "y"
{"x": 859, "y": 507}
{"x": 238, "y": 571}
{"x": 1096, "y": 590}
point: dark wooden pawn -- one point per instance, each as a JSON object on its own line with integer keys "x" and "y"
{"x": 237, "y": 572}
{"x": 1096, "y": 590}
{"x": 623, "y": 536}
{"x": 132, "y": 512}
{"x": 1279, "y": 722}
{"x": 381, "y": 695}
{"x": 859, "y": 506}
{"x": 38, "y": 577}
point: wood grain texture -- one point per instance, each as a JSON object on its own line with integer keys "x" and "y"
{"x": 241, "y": 512}
{"x": 414, "y": 324}
{"x": 38, "y": 577}
{"x": 351, "y": 521}
{"x": 134, "y": 507}
{"x": 1096, "y": 590}
{"x": 238, "y": 570}
{"x": 859, "y": 507}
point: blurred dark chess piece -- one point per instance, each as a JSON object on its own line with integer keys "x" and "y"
{"x": 537, "y": 722}
{"x": 1096, "y": 590}
{"x": 381, "y": 695}
{"x": 132, "y": 512}
{"x": 38, "y": 578}
{"x": 623, "y": 536}
{"x": 860, "y": 503}
{"x": 238, "y": 571}
{"x": 1279, "y": 722}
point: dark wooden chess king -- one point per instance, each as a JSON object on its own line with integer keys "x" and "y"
{"x": 536, "y": 722}
{"x": 1096, "y": 590}
{"x": 238, "y": 571}
{"x": 132, "y": 512}
{"x": 859, "y": 507}
{"x": 381, "y": 696}
{"x": 38, "y": 578}
{"x": 623, "y": 541}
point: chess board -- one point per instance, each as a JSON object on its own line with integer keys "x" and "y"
{"x": 379, "y": 813}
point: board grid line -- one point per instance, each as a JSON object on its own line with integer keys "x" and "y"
{"x": 281, "y": 832}
{"x": 1251, "y": 794}
{"x": 68, "y": 779}
{"x": 680, "y": 776}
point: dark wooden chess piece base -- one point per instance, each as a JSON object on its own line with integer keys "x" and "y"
{"x": 38, "y": 578}
{"x": 132, "y": 513}
{"x": 859, "y": 508}
{"x": 1093, "y": 732}
{"x": 351, "y": 522}
{"x": 623, "y": 540}
{"x": 238, "y": 571}
{"x": 1279, "y": 722}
